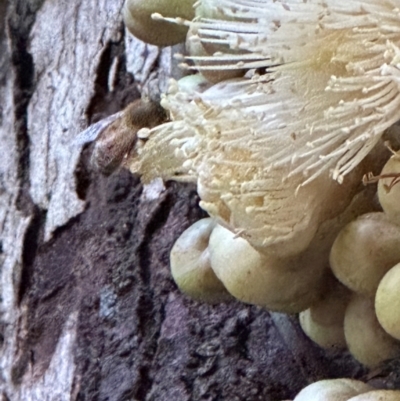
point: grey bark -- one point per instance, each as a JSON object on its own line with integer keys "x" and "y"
{"x": 88, "y": 309}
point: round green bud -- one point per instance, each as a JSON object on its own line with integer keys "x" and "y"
{"x": 190, "y": 264}
{"x": 139, "y": 21}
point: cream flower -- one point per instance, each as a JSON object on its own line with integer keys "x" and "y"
{"x": 262, "y": 148}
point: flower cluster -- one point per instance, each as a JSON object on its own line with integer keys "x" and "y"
{"x": 322, "y": 85}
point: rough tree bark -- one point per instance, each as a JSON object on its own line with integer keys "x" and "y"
{"x": 88, "y": 307}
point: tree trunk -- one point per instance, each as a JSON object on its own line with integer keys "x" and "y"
{"x": 88, "y": 307}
